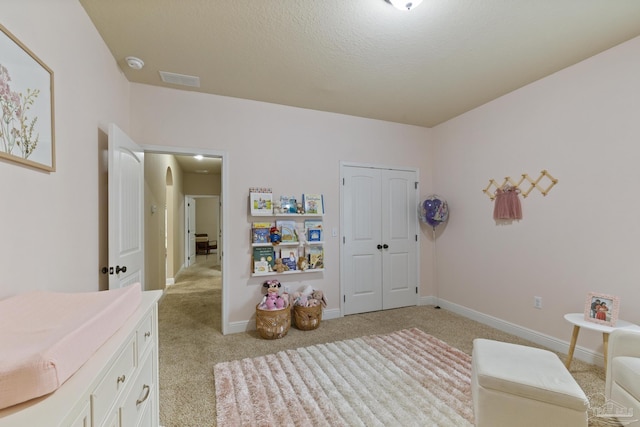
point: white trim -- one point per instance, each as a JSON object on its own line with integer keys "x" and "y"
{"x": 546, "y": 341}
{"x": 248, "y": 325}
{"x": 224, "y": 218}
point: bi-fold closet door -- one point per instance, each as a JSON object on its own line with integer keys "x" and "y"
{"x": 379, "y": 266}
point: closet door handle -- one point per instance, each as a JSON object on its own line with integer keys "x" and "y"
{"x": 379, "y": 247}
{"x": 119, "y": 269}
{"x": 385, "y": 246}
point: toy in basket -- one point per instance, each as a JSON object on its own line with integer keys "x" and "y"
{"x": 307, "y": 308}
{"x": 273, "y": 314}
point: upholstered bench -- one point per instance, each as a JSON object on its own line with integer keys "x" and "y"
{"x": 515, "y": 385}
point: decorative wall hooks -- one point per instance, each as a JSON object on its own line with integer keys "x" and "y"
{"x": 508, "y": 181}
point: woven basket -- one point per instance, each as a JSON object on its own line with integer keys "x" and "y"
{"x": 273, "y": 324}
{"x": 307, "y": 318}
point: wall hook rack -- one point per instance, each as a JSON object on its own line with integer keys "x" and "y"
{"x": 525, "y": 177}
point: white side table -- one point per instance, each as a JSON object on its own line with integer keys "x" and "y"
{"x": 578, "y": 321}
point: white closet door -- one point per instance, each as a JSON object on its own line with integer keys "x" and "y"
{"x": 379, "y": 257}
{"x": 399, "y": 239}
{"x": 361, "y": 260}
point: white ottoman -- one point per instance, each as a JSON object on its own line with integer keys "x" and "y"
{"x": 515, "y": 385}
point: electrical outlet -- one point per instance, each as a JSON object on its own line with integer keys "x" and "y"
{"x": 537, "y": 302}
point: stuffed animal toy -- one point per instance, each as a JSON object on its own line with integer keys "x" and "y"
{"x": 275, "y": 236}
{"x": 279, "y": 266}
{"x": 299, "y": 208}
{"x": 272, "y": 300}
{"x": 319, "y": 296}
{"x": 302, "y": 263}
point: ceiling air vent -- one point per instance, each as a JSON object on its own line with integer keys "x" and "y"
{"x": 180, "y": 79}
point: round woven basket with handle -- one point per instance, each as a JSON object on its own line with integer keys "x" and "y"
{"x": 307, "y": 318}
{"x": 273, "y": 324}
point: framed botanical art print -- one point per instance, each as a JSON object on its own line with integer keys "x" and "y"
{"x": 26, "y": 106}
{"x": 601, "y": 308}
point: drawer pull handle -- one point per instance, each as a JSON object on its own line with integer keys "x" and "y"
{"x": 121, "y": 379}
{"x": 147, "y": 390}
{"x": 147, "y": 334}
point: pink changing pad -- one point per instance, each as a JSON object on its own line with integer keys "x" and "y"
{"x": 46, "y": 336}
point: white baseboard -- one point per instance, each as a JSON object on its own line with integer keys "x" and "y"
{"x": 541, "y": 339}
{"x": 544, "y": 340}
{"x": 250, "y": 325}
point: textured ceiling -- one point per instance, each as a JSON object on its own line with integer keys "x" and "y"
{"x": 361, "y": 57}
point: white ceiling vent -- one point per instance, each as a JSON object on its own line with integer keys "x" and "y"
{"x": 180, "y": 79}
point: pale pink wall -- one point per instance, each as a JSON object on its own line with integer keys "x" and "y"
{"x": 289, "y": 149}
{"x": 582, "y": 125}
{"x": 50, "y": 224}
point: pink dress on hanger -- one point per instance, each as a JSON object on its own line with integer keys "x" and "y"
{"x": 507, "y": 204}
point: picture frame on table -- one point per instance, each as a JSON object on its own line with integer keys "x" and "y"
{"x": 602, "y": 308}
{"x": 27, "y": 109}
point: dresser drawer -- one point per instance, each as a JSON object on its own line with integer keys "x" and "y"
{"x": 146, "y": 333}
{"x": 141, "y": 394}
{"x": 117, "y": 378}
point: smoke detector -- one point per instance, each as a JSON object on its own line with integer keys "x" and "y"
{"x": 134, "y": 63}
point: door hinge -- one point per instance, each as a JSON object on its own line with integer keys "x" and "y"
{"x": 416, "y": 185}
{"x": 416, "y": 237}
{"x": 416, "y": 289}
{"x": 344, "y": 298}
{"x": 342, "y": 181}
{"x": 344, "y": 240}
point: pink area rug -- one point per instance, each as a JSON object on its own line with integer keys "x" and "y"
{"x": 406, "y": 378}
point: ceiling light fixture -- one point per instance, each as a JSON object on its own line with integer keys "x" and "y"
{"x": 405, "y": 5}
{"x": 198, "y": 157}
{"x": 135, "y": 63}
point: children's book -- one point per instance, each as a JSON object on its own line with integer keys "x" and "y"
{"x": 287, "y": 230}
{"x": 314, "y": 234}
{"x": 288, "y": 204}
{"x": 264, "y": 253}
{"x": 313, "y": 204}
{"x": 289, "y": 257}
{"x": 316, "y": 257}
{"x": 260, "y": 200}
{"x": 260, "y": 232}
{"x": 313, "y": 229}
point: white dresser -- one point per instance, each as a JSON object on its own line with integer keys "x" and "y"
{"x": 116, "y": 387}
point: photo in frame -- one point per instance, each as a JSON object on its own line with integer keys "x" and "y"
{"x": 601, "y": 308}
{"x": 26, "y": 106}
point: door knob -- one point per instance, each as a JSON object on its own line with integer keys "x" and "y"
{"x": 385, "y": 246}
{"x": 379, "y": 247}
{"x": 104, "y": 270}
{"x": 121, "y": 269}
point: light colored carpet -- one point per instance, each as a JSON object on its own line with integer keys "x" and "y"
{"x": 406, "y": 378}
{"x": 191, "y": 343}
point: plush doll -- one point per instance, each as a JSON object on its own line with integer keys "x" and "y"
{"x": 279, "y": 266}
{"x": 319, "y": 296}
{"x": 275, "y": 236}
{"x": 302, "y": 263}
{"x": 299, "y": 208}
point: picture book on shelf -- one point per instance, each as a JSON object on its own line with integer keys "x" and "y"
{"x": 262, "y": 254}
{"x": 290, "y": 257}
{"x": 288, "y": 204}
{"x": 260, "y": 232}
{"x": 260, "y": 201}
{"x": 316, "y": 257}
{"x": 314, "y": 234}
{"x": 313, "y": 204}
{"x": 287, "y": 230}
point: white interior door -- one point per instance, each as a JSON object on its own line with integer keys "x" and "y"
{"x": 399, "y": 239}
{"x": 126, "y": 199}
{"x": 190, "y": 232}
{"x": 379, "y": 254}
{"x": 361, "y": 258}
